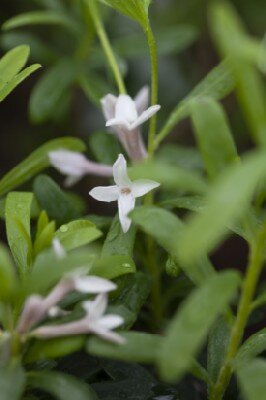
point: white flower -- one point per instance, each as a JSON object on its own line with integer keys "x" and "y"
{"x": 101, "y": 324}
{"x": 75, "y": 165}
{"x": 125, "y": 115}
{"x": 124, "y": 112}
{"x": 125, "y": 191}
{"x": 36, "y": 308}
{"x": 94, "y": 322}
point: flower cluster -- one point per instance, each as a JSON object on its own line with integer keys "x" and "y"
{"x": 123, "y": 116}
{"x": 37, "y": 309}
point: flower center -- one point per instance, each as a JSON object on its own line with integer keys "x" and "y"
{"x": 125, "y": 190}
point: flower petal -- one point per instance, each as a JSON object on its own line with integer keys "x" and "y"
{"x": 108, "y": 106}
{"x": 110, "y": 336}
{"x": 105, "y": 193}
{"x": 145, "y": 116}
{"x": 120, "y": 172}
{"x": 142, "y": 99}
{"x": 118, "y": 123}
{"x": 126, "y": 203}
{"x": 141, "y": 187}
{"x": 125, "y": 108}
{"x": 109, "y": 322}
{"x": 96, "y": 308}
{"x": 69, "y": 162}
{"x": 93, "y": 284}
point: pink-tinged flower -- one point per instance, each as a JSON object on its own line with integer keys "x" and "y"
{"x": 124, "y": 192}
{"x": 94, "y": 322}
{"x": 37, "y": 308}
{"x": 125, "y": 115}
{"x": 58, "y": 248}
{"x": 75, "y": 166}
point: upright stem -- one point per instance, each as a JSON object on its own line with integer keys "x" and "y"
{"x": 249, "y": 288}
{"x": 154, "y": 87}
{"x": 106, "y": 45}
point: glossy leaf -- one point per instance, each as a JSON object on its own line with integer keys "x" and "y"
{"x": 54, "y": 348}
{"x": 250, "y": 86}
{"x": 252, "y": 347}
{"x": 36, "y": 162}
{"x": 226, "y": 202}
{"x": 12, "y": 382}
{"x": 51, "y": 90}
{"x": 188, "y": 329}
{"x": 8, "y": 278}
{"x": 131, "y": 297}
{"x": 213, "y": 135}
{"x": 17, "y": 214}
{"x": 14, "y": 82}
{"x": 38, "y": 18}
{"x": 164, "y": 226}
{"x": 117, "y": 242}
{"x": 219, "y": 337}
{"x": 11, "y": 63}
{"x": 139, "y": 347}
{"x": 217, "y": 84}
{"x": 61, "y": 386}
{"x": 104, "y": 147}
{"x": 54, "y": 201}
{"x": 112, "y": 267}
{"x": 169, "y": 177}
{"x": 77, "y": 233}
{"x": 252, "y": 380}
{"x": 134, "y": 9}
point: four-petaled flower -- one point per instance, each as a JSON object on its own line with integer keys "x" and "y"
{"x": 93, "y": 322}
{"x": 75, "y": 166}
{"x": 125, "y": 191}
{"x": 125, "y": 115}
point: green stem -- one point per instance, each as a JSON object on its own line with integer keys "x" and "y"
{"x": 106, "y": 45}
{"x": 248, "y": 291}
{"x": 156, "y": 284}
{"x": 154, "y": 87}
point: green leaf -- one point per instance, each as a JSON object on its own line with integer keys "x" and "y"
{"x": 217, "y": 346}
{"x": 252, "y": 380}
{"x": 17, "y": 214}
{"x": 44, "y": 239}
{"x": 133, "y": 295}
{"x": 36, "y": 162}
{"x": 226, "y": 202}
{"x": 54, "y": 201}
{"x": 51, "y": 90}
{"x": 61, "y": 386}
{"x": 252, "y": 347}
{"x": 11, "y": 63}
{"x": 139, "y": 347}
{"x": 8, "y": 278}
{"x": 12, "y": 382}
{"x": 77, "y": 233}
{"x": 164, "y": 226}
{"x": 117, "y": 242}
{"x": 39, "y": 18}
{"x": 112, "y": 267}
{"x": 54, "y": 348}
{"x": 134, "y": 9}
{"x": 104, "y": 147}
{"x": 213, "y": 135}
{"x": 188, "y": 329}
{"x": 14, "y": 82}
{"x": 47, "y": 270}
{"x": 170, "y": 177}
{"x": 250, "y": 86}
{"x": 217, "y": 84}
